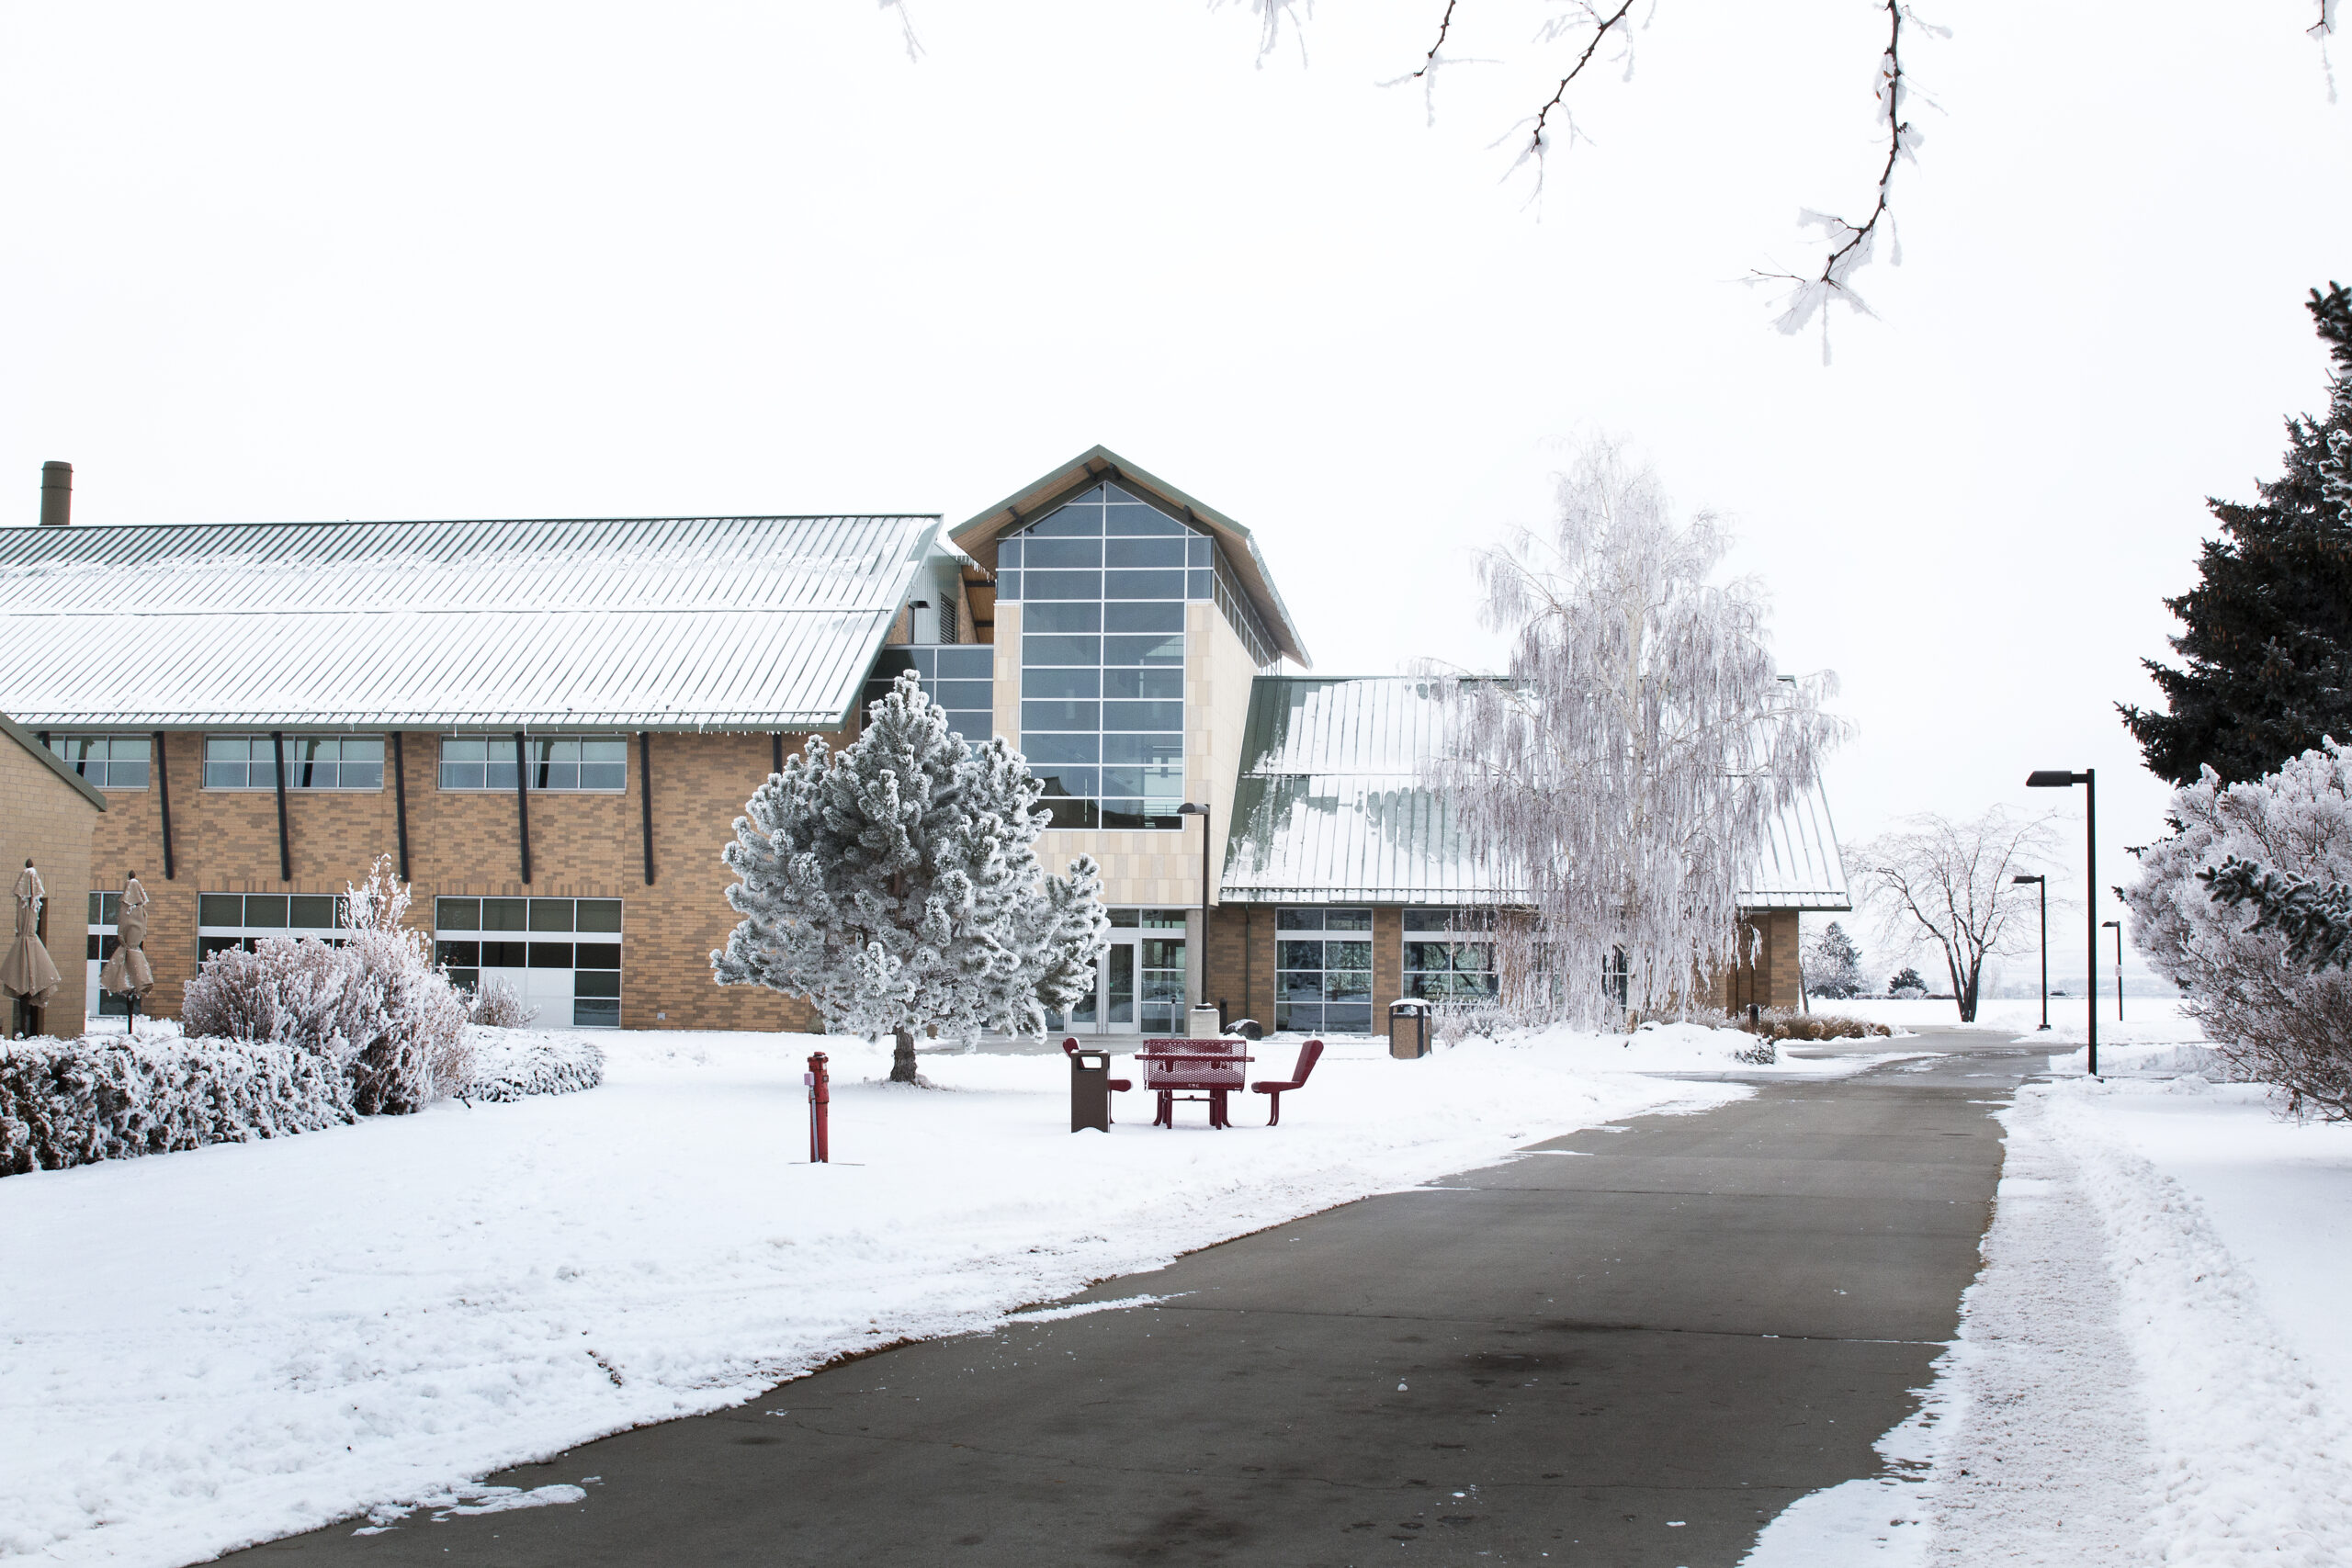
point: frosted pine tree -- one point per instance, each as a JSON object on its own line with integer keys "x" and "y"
{"x": 1833, "y": 965}
{"x": 895, "y": 884}
{"x": 1630, "y": 762}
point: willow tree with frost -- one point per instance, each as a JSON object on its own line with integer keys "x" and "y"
{"x": 1629, "y": 765}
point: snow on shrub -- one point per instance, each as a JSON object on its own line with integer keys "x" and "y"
{"x": 509, "y": 1064}
{"x": 2268, "y": 1016}
{"x": 496, "y": 1005}
{"x": 1779, "y": 1024}
{"x": 69, "y": 1102}
{"x": 373, "y": 1005}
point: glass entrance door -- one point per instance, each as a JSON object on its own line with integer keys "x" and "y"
{"x": 1139, "y": 982}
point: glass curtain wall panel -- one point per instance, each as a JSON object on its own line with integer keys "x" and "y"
{"x": 1450, "y": 954}
{"x": 959, "y": 677}
{"x": 562, "y": 956}
{"x": 1323, "y": 971}
{"x": 1103, "y": 581}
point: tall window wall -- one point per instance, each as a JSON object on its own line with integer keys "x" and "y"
{"x": 1323, "y": 971}
{"x": 1102, "y": 581}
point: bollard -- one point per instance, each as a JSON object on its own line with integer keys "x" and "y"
{"x": 820, "y": 1099}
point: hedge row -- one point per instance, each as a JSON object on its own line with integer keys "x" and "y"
{"x": 69, "y": 1102}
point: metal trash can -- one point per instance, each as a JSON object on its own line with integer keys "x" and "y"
{"x": 1408, "y": 1027}
{"x": 1089, "y": 1090}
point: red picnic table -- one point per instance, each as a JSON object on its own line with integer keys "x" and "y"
{"x": 1211, "y": 1070}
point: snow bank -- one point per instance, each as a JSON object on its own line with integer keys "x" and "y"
{"x": 69, "y": 1102}
{"x": 2151, "y": 1367}
{"x": 267, "y": 1337}
{"x": 509, "y": 1064}
{"x": 1698, "y": 1048}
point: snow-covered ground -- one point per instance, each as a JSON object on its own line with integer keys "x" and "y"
{"x": 2152, "y": 1366}
{"x": 199, "y": 1351}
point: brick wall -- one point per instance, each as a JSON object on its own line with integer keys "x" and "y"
{"x": 1769, "y": 977}
{"x": 467, "y": 843}
{"x": 47, "y": 821}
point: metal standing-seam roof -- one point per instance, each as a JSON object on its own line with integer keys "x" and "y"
{"x": 1330, "y": 808}
{"x": 665, "y": 622}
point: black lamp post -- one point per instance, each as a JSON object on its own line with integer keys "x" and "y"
{"x": 2059, "y": 778}
{"x": 2118, "y": 967}
{"x": 1189, "y": 809}
{"x": 2043, "y": 883}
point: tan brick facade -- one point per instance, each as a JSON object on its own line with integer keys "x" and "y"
{"x": 46, "y": 820}
{"x": 466, "y": 842}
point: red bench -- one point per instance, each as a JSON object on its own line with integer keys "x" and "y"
{"x": 1208, "y": 1069}
{"x": 1308, "y": 1054}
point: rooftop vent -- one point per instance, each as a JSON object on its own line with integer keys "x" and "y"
{"x": 56, "y": 494}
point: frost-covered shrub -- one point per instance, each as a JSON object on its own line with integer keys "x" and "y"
{"x": 1763, "y": 1053}
{"x": 1778, "y": 1023}
{"x": 496, "y": 1005}
{"x": 374, "y": 1006}
{"x": 509, "y": 1065}
{"x": 69, "y": 1102}
{"x": 2268, "y": 1016}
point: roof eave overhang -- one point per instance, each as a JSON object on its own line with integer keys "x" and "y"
{"x": 978, "y": 536}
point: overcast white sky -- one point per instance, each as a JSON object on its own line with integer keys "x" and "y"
{"x": 272, "y": 262}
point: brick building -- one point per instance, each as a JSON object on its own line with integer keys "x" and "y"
{"x": 47, "y": 816}
{"x": 551, "y": 725}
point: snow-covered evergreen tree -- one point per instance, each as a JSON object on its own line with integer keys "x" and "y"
{"x": 2266, "y": 637}
{"x": 895, "y": 884}
{"x": 1629, "y": 765}
{"x": 1833, "y": 965}
{"x": 1905, "y": 983}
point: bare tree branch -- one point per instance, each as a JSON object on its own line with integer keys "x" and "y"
{"x": 1601, "y": 29}
{"x": 1445, "y": 25}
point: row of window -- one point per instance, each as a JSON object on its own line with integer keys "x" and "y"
{"x": 584, "y": 763}
{"x": 1323, "y": 964}
{"x": 565, "y": 979}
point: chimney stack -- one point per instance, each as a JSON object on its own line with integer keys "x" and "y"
{"x": 56, "y": 494}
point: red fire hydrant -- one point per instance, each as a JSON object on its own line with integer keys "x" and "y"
{"x": 820, "y": 1098}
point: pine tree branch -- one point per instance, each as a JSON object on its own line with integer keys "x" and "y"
{"x": 2315, "y": 918}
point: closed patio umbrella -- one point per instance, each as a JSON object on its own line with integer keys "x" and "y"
{"x": 27, "y": 974}
{"x": 127, "y": 972}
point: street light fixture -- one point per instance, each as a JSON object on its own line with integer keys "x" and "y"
{"x": 2059, "y": 778}
{"x": 2118, "y": 967}
{"x": 1189, "y": 809}
{"x": 2043, "y": 883}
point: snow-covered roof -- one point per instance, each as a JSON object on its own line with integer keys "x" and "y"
{"x": 668, "y": 623}
{"x": 1330, "y": 808}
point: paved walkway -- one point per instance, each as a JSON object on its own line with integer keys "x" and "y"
{"x": 1629, "y": 1347}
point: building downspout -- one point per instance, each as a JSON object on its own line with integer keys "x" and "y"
{"x": 523, "y": 805}
{"x": 400, "y": 803}
{"x": 285, "y": 843}
{"x": 645, "y": 796}
{"x": 163, "y": 798}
